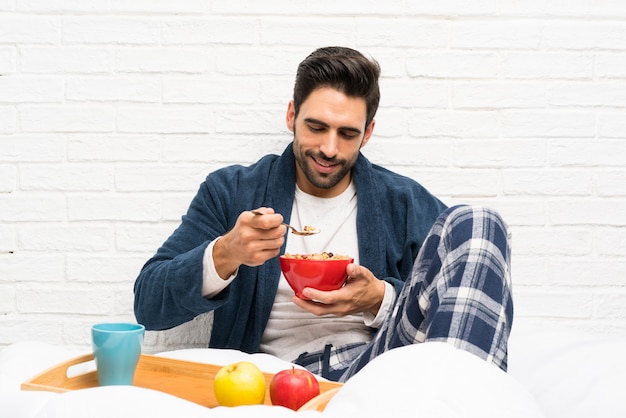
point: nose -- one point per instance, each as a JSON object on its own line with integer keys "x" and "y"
{"x": 329, "y": 145}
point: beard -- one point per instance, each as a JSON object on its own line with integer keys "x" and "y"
{"x": 317, "y": 179}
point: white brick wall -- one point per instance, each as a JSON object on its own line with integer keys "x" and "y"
{"x": 112, "y": 113}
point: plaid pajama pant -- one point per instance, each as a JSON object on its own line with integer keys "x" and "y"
{"x": 459, "y": 292}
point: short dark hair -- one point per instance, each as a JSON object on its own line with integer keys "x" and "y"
{"x": 341, "y": 68}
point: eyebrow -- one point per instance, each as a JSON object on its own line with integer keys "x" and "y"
{"x": 319, "y": 122}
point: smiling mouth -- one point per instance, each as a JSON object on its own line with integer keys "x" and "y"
{"x": 324, "y": 166}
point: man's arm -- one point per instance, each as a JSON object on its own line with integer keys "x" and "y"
{"x": 253, "y": 241}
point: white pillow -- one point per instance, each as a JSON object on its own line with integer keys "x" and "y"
{"x": 433, "y": 380}
{"x": 120, "y": 402}
{"x": 22, "y": 361}
{"x": 573, "y": 375}
{"x": 133, "y": 402}
{"x": 23, "y": 404}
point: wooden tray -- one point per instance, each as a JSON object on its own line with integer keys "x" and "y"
{"x": 186, "y": 379}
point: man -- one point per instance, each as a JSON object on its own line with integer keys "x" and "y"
{"x": 223, "y": 258}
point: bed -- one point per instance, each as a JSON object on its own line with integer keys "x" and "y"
{"x": 550, "y": 376}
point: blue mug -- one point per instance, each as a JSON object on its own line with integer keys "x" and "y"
{"x": 116, "y": 350}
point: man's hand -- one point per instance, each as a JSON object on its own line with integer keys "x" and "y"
{"x": 363, "y": 292}
{"x": 253, "y": 240}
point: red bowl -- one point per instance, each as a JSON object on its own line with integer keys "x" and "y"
{"x": 318, "y": 274}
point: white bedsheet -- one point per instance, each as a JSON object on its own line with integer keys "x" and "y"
{"x": 548, "y": 377}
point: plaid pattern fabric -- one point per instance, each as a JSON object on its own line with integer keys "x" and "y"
{"x": 459, "y": 292}
{"x": 331, "y": 362}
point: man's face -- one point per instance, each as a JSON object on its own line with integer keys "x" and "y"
{"x": 327, "y": 136}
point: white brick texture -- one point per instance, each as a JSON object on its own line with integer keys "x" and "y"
{"x": 112, "y": 114}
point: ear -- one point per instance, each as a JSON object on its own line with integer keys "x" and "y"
{"x": 368, "y": 133}
{"x": 290, "y": 118}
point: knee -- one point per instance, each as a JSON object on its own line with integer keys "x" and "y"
{"x": 475, "y": 214}
{"x": 465, "y": 222}
{"x": 465, "y": 209}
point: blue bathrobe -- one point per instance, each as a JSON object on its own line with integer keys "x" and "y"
{"x": 394, "y": 214}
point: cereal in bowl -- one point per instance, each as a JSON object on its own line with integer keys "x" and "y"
{"x": 317, "y": 256}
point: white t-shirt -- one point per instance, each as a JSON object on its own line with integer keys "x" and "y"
{"x": 290, "y": 330}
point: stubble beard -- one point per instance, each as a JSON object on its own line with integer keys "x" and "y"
{"x": 317, "y": 179}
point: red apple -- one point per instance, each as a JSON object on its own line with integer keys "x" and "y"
{"x": 293, "y": 387}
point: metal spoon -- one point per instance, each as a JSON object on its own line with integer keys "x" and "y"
{"x": 308, "y": 230}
